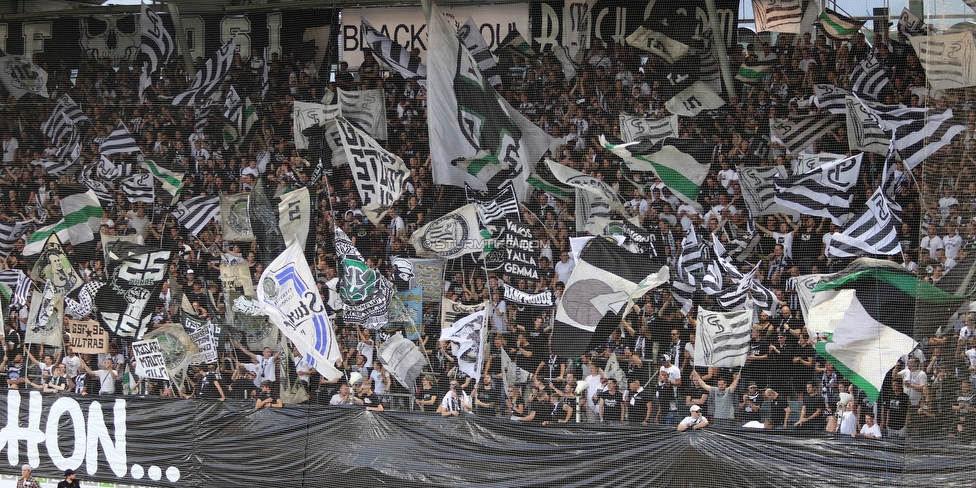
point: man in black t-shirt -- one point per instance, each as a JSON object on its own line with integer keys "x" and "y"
{"x": 812, "y": 415}
{"x": 366, "y": 397}
{"x": 896, "y": 410}
{"x": 266, "y": 397}
{"x": 243, "y": 387}
{"x": 611, "y": 403}
{"x": 779, "y": 408}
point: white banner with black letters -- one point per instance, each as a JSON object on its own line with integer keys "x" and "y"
{"x": 514, "y": 295}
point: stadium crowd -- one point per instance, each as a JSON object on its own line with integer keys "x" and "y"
{"x": 784, "y": 384}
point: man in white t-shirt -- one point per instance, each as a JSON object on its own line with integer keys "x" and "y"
{"x": 106, "y": 376}
{"x": 870, "y": 429}
{"x": 564, "y": 268}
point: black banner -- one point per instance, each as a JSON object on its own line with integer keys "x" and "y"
{"x": 67, "y": 41}
{"x": 197, "y": 443}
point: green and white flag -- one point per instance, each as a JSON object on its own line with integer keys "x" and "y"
{"x": 476, "y": 136}
{"x": 82, "y": 217}
{"x": 677, "y": 169}
{"x": 171, "y": 181}
{"x": 872, "y": 304}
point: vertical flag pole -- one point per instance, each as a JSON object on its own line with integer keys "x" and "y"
{"x": 721, "y": 50}
{"x": 174, "y": 13}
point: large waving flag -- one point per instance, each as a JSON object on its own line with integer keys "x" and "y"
{"x": 476, "y": 137}
{"x": 825, "y": 191}
{"x": 878, "y": 300}
{"x": 290, "y": 297}
{"x": 607, "y": 277}
{"x": 453, "y": 235}
{"x": 467, "y": 338}
{"x": 82, "y": 216}
{"x": 873, "y": 232}
{"x": 393, "y": 54}
{"x": 723, "y": 338}
{"x": 671, "y": 160}
{"x": 211, "y": 76}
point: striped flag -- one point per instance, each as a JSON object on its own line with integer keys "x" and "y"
{"x": 542, "y": 179}
{"x": 949, "y": 59}
{"x": 502, "y": 206}
{"x": 709, "y": 69}
{"x": 830, "y": 98}
{"x": 101, "y": 192}
{"x": 67, "y": 115}
{"x": 723, "y": 338}
{"x": 683, "y": 292}
{"x": 211, "y": 76}
{"x": 799, "y": 133}
{"x": 758, "y": 190}
{"x": 10, "y": 233}
{"x": 752, "y": 71}
{"x": 918, "y": 132}
{"x": 874, "y": 232}
{"x": 825, "y": 191}
{"x": 838, "y": 26}
{"x": 778, "y": 15}
{"x": 202, "y": 114}
{"x": 233, "y": 105}
{"x": 671, "y": 160}
{"x": 515, "y": 42}
{"x": 54, "y": 166}
{"x": 82, "y": 212}
{"x": 119, "y": 141}
{"x": 197, "y": 212}
{"x": 470, "y": 35}
{"x": 877, "y": 301}
{"x": 393, "y": 54}
{"x": 139, "y": 188}
{"x": 910, "y": 25}
{"x": 157, "y": 43}
{"x": 869, "y": 77}
{"x": 691, "y": 264}
{"x": 15, "y": 286}
{"x": 171, "y": 181}
{"x": 636, "y": 128}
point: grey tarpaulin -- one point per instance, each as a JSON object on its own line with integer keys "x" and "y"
{"x": 231, "y": 444}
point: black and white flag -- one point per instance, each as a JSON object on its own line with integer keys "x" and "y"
{"x": 869, "y": 78}
{"x": 874, "y": 232}
{"x": 118, "y": 141}
{"x": 831, "y": 98}
{"x": 691, "y": 262}
{"x": 22, "y": 77}
{"x": 202, "y": 114}
{"x": 918, "y": 132}
{"x": 910, "y": 25}
{"x": 157, "y": 44}
{"x": 379, "y": 174}
{"x": 693, "y": 100}
{"x": 759, "y": 191}
{"x": 723, "y": 338}
{"x": 67, "y": 115}
{"x": 101, "y": 191}
{"x": 635, "y": 128}
{"x": 211, "y": 76}
{"x": 503, "y": 205}
{"x": 16, "y": 286}
{"x": 778, "y": 15}
{"x": 126, "y": 304}
{"x": 10, "y": 232}
{"x": 826, "y": 191}
{"x": 393, "y": 54}
{"x": 799, "y": 133}
{"x": 139, "y": 188}
{"x": 365, "y": 292}
{"x": 233, "y": 105}
{"x": 949, "y": 60}
{"x": 197, "y": 212}
{"x": 470, "y": 35}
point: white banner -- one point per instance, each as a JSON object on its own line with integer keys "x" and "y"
{"x": 149, "y": 360}
{"x": 949, "y": 59}
{"x": 634, "y": 128}
{"x": 294, "y": 214}
{"x": 407, "y": 26}
{"x": 292, "y": 301}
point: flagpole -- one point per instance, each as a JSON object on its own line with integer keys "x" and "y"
{"x": 174, "y": 14}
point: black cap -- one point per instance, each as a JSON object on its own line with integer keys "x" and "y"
{"x": 68, "y": 472}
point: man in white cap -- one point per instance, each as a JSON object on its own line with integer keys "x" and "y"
{"x": 26, "y": 480}
{"x": 673, "y": 371}
{"x": 695, "y": 420}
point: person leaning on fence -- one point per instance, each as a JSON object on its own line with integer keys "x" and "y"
{"x": 695, "y": 420}
{"x": 267, "y": 397}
